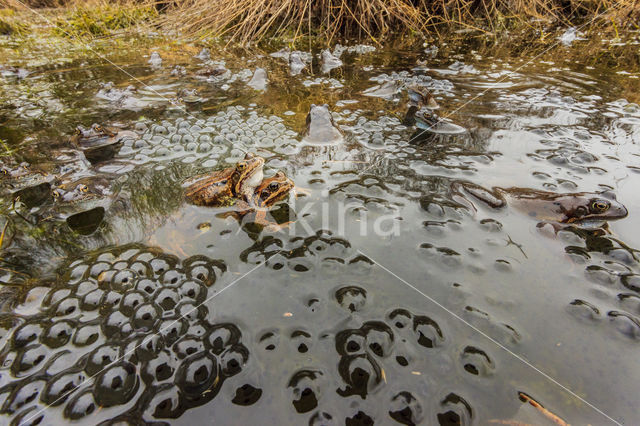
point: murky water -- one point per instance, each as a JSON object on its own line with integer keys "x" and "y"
{"x": 387, "y": 300}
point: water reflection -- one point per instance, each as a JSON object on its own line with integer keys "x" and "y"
{"x": 320, "y": 333}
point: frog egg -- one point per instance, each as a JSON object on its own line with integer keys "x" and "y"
{"x": 219, "y": 139}
{"x": 197, "y": 374}
{"x": 183, "y": 131}
{"x": 56, "y": 391}
{"x": 260, "y": 133}
{"x": 187, "y": 139}
{"x": 131, "y": 301}
{"x": 238, "y": 132}
{"x": 191, "y": 147}
{"x": 81, "y": 405}
{"x": 204, "y": 138}
{"x": 86, "y": 335}
{"x": 32, "y": 356}
{"x": 67, "y": 307}
{"x": 207, "y": 129}
{"x": 117, "y": 385}
{"x": 162, "y": 152}
{"x": 116, "y": 325}
{"x": 125, "y": 151}
{"x": 159, "y": 130}
{"x": 165, "y": 404}
{"x": 176, "y": 138}
{"x": 245, "y": 140}
{"x": 145, "y": 316}
{"x": 159, "y": 368}
{"x": 147, "y": 286}
{"x": 233, "y": 359}
{"x": 85, "y": 287}
{"x": 195, "y": 129}
{"x": 177, "y": 148}
{"x": 205, "y": 147}
{"x": 140, "y": 127}
{"x": 167, "y": 299}
{"x": 92, "y": 300}
{"x": 182, "y": 124}
{"x": 58, "y": 334}
{"x": 187, "y": 346}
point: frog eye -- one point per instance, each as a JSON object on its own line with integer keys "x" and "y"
{"x": 274, "y": 186}
{"x": 600, "y": 206}
{"x": 241, "y": 166}
{"x": 265, "y": 194}
{"x": 83, "y": 188}
{"x": 56, "y": 194}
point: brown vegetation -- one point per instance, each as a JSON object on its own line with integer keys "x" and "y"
{"x": 247, "y": 21}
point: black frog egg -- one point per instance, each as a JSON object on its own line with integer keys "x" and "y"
{"x": 187, "y": 346}
{"x": 92, "y": 300}
{"x": 123, "y": 280}
{"x": 351, "y": 298}
{"x": 68, "y": 307}
{"x": 28, "y": 358}
{"x": 26, "y": 334}
{"x": 197, "y": 374}
{"x": 160, "y": 265}
{"x": 379, "y": 340}
{"x": 221, "y": 336}
{"x": 167, "y": 299}
{"x": 305, "y": 387}
{"x": 428, "y": 332}
{"x": 321, "y": 418}
{"x": 131, "y": 301}
{"x": 145, "y": 316}
{"x": 100, "y": 358}
{"x": 143, "y": 269}
{"x": 360, "y": 373}
{"x": 86, "y": 335}
{"x": 116, "y": 385}
{"x": 98, "y": 268}
{"x": 193, "y": 291}
{"x": 81, "y": 405}
{"x": 158, "y": 369}
{"x": 191, "y": 312}
{"x": 233, "y": 359}
{"x": 301, "y": 341}
{"x": 23, "y": 395}
{"x": 171, "y": 278}
{"x": 85, "y": 287}
{"x": 59, "y": 387}
{"x": 110, "y": 301}
{"x": 77, "y": 272}
{"x": 405, "y": 409}
{"x": 147, "y": 286}
{"x": 116, "y": 325}
{"x": 165, "y": 404}
{"x": 58, "y": 334}
{"x": 172, "y": 329}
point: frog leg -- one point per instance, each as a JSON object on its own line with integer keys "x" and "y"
{"x": 261, "y": 219}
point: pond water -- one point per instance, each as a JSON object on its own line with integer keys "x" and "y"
{"x": 389, "y": 299}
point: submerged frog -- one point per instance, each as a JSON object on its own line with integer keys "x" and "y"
{"x": 82, "y": 203}
{"x": 225, "y": 187}
{"x": 576, "y": 208}
{"x": 21, "y": 176}
{"x": 321, "y": 129}
{"x": 100, "y": 143}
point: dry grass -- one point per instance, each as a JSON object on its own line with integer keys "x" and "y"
{"x": 248, "y": 21}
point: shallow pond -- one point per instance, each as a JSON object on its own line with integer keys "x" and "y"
{"x": 389, "y": 299}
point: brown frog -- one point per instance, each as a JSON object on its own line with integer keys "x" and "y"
{"x": 100, "y": 143}
{"x": 270, "y": 191}
{"x": 225, "y": 187}
{"x": 576, "y": 208}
